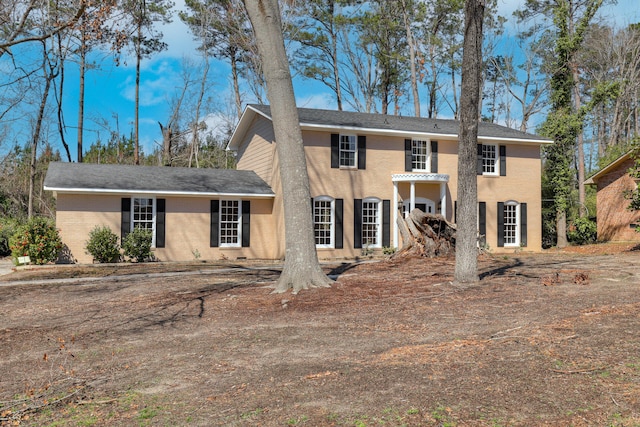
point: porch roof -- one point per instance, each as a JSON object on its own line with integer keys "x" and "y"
{"x": 420, "y": 177}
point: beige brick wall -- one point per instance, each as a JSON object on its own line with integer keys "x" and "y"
{"x": 613, "y": 216}
{"x": 187, "y": 227}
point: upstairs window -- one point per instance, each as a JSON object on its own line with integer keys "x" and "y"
{"x": 348, "y": 151}
{"x": 492, "y": 160}
{"x": 419, "y": 154}
{"x": 489, "y": 159}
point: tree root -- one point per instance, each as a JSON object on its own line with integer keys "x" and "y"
{"x": 425, "y": 235}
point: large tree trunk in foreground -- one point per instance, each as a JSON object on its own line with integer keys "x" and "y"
{"x": 301, "y": 267}
{"x": 426, "y": 235}
{"x": 466, "y": 270}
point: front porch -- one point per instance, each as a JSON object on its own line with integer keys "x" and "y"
{"x": 425, "y": 183}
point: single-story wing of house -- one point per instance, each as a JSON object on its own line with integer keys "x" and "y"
{"x": 616, "y": 223}
{"x": 211, "y": 213}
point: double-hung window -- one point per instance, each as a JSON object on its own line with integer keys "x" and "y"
{"x": 323, "y": 221}
{"x": 371, "y": 223}
{"x": 511, "y": 224}
{"x": 230, "y": 222}
{"x": 348, "y": 151}
{"x": 489, "y": 159}
{"x": 143, "y": 214}
{"x": 420, "y": 155}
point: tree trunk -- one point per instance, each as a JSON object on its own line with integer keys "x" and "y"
{"x": 301, "y": 268}
{"x": 136, "y": 150}
{"x": 561, "y": 229}
{"x": 49, "y": 75}
{"x": 412, "y": 61}
{"x": 580, "y": 141}
{"x": 167, "y": 139}
{"x": 83, "y": 58}
{"x": 466, "y": 269}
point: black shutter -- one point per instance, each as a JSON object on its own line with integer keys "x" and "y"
{"x": 246, "y": 223}
{"x": 455, "y": 212}
{"x": 482, "y": 222}
{"x": 335, "y": 150}
{"x": 339, "y": 212}
{"x": 479, "y": 164}
{"x": 523, "y": 224}
{"x": 386, "y": 223}
{"x": 357, "y": 223}
{"x": 408, "y": 156}
{"x": 214, "y": 232}
{"x": 434, "y": 156}
{"x": 125, "y": 218}
{"x": 500, "y": 224}
{"x": 503, "y": 160}
{"x": 362, "y": 152}
{"x": 160, "y": 222}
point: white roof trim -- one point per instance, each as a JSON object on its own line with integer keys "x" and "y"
{"x": 404, "y": 133}
{"x": 156, "y": 193}
{"x": 419, "y": 177}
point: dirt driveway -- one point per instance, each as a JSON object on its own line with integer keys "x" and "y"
{"x": 550, "y": 339}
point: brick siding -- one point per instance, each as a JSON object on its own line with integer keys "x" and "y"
{"x": 614, "y": 218}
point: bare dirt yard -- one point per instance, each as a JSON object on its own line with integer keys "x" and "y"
{"x": 549, "y": 339}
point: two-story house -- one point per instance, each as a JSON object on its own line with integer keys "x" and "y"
{"x": 367, "y": 169}
{"x": 364, "y": 170}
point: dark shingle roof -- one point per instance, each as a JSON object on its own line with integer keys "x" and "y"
{"x": 88, "y": 177}
{"x": 332, "y": 118}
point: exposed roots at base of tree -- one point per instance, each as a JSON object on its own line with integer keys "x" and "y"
{"x": 298, "y": 281}
{"x": 426, "y": 235}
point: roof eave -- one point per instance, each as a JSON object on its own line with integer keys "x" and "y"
{"x": 397, "y": 132}
{"x": 63, "y": 190}
{"x": 593, "y": 179}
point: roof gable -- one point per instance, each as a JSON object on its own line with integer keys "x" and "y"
{"x": 608, "y": 169}
{"x": 109, "y": 178}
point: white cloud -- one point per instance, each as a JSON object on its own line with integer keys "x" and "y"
{"x": 317, "y": 100}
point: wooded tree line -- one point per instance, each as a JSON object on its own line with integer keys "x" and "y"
{"x": 386, "y": 56}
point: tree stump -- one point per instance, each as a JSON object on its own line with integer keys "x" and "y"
{"x": 426, "y": 235}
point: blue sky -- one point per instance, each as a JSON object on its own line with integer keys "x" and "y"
{"x": 110, "y": 89}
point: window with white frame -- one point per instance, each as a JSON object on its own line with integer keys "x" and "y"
{"x": 420, "y": 155}
{"x": 144, "y": 215}
{"x": 511, "y": 224}
{"x": 230, "y": 222}
{"x": 489, "y": 159}
{"x": 371, "y": 222}
{"x": 323, "y": 221}
{"x": 348, "y": 150}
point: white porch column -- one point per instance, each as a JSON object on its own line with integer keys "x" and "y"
{"x": 394, "y": 208}
{"x": 412, "y": 204}
{"x": 443, "y": 199}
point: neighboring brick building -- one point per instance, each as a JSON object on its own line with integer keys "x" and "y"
{"x": 616, "y": 223}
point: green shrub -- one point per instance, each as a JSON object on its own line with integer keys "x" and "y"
{"x": 582, "y": 231}
{"x": 38, "y": 239}
{"x": 137, "y": 244}
{"x": 8, "y": 227}
{"x": 103, "y": 245}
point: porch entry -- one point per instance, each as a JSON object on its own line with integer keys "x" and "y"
{"x": 426, "y": 205}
